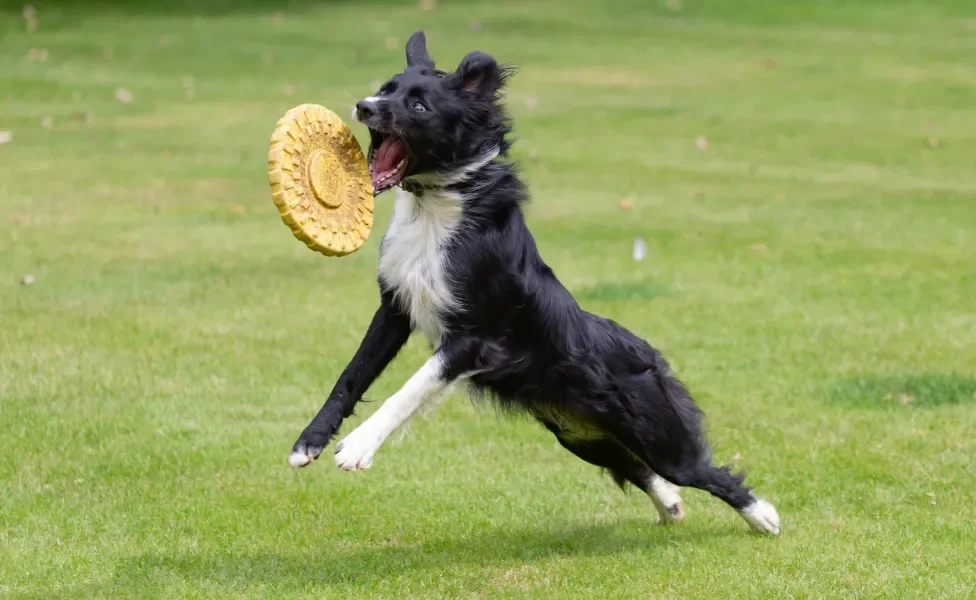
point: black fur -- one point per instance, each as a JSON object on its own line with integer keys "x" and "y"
{"x": 609, "y": 397}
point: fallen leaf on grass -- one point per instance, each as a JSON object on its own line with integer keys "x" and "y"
{"x": 6, "y": 137}
{"x": 236, "y": 209}
{"x": 701, "y": 142}
{"x": 626, "y": 204}
{"x": 933, "y": 142}
{"x": 475, "y": 25}
{"x": 268, "y": 58}
{"x": 47, "y": 122}
{"x": 108, "y": 53}
{"x": 428, "y": 4}
{"x": 391, "y": 43}
{"x": 38, "y": 55}
{"x": 735, "y": 458}
{"x": 124, "y": 96}
{"x": 759, "y": 247}
{"x": 674, "y": 5}
{"x": 905, "y": 399}
{"x": 289, "y": 89}
{"x": 30, "y": 17}
{"x": 532, "y": 102}
{"x": 27, "y": 279}
{"x": 278, "y": 18}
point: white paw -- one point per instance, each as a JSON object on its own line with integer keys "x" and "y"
{"x": 666, "y": 499}
{"x": 299, "y": 459}
{"x": 762, "y": 517}
{"x": 356, "y": 451}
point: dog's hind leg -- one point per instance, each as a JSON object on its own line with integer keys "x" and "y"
{"x": 624, "y": 468}
{"x": 694, "y": 468}
{"x": 663, "y": 429}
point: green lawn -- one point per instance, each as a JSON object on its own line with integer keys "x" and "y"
{"x": 804, "y": 174}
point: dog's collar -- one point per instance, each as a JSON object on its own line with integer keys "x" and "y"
{"x": 417, "y": 189}
{"x": 449, "y": 179}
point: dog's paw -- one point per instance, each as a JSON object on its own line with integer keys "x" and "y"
{"x": 667, "y": 501}
{"x": 670, "y": 514}
{"x": 308, "y": 448}
{"x": 762, "y": 517}
{"x": 355, "y": 452}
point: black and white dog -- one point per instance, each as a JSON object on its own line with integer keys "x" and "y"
{"x": 459, "y": 264}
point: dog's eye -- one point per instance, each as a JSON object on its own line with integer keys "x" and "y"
{"x": 419, "y": 107}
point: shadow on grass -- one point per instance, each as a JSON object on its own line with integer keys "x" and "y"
{"x": 300, "y": 568}
{"x": 925, "y": 390}
{"x": 621, "y": 290}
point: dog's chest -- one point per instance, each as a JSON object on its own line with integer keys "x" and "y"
{"x": 413, "y": 258}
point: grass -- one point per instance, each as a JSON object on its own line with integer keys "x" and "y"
{"x": 809, "y": 273}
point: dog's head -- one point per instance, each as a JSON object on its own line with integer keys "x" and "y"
{"x": 429, "y": 123}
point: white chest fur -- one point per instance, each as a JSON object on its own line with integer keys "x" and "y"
{"x": 412, "y": 257}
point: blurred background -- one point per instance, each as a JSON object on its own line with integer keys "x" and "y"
{"x": 797, "y": 179}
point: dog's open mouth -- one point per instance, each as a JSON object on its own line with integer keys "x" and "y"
{"x": 388, "y": 160}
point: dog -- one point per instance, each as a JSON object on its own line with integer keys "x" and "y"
{"x": 458, "y": 264}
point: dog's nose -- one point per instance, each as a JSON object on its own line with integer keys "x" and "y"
{"x": 365, "y": 109}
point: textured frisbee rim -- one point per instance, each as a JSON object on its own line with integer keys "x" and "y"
{"x": 320, "y": 181}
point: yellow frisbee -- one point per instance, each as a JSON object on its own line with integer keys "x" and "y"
{"x": 319, "y": 180}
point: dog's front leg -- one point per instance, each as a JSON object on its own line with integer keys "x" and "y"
{"x": 453, "y": 360}
{"x": 387, "y": 333}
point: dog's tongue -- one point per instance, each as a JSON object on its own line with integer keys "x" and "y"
{"x": 385, "y": 160}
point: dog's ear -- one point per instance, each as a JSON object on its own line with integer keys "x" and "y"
{"x": 417, "y": 51}
{"x": 480, "y": 75}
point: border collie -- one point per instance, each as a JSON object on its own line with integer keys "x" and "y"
{"x": 459, "y": 264}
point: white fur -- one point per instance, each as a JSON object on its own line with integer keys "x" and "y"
{"x": 412, "y": 257}
{"x": 356, "y": 451}
{"x": 297, "y": 459}
{"x": 665, "y": 495}
{"x": 762, "y": 517}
